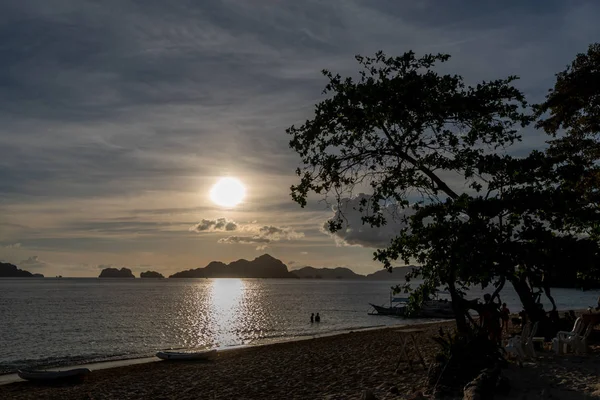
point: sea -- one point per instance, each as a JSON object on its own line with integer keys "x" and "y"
{"x": 55, "y": 322}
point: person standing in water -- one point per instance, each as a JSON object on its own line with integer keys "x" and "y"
{"x": 312, "y": 318}
{"x": 317, "y": 318}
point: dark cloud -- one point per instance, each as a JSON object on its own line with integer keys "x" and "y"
{"x": 355, "y": 233}
{"x": 263, "y": 235}
{"x": 11, "y": 246}
{"x": 212, "y": 225}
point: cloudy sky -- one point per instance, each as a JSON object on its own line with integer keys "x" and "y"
{"x": 117, "y": 117}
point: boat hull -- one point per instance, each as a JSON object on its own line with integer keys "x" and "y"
{"x": 183, "y": 356}
{"x": 399, "y": 311}
{"x": 53, "y": 376}
{"x": 430, "y": 309}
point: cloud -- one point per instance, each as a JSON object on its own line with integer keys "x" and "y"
{"x": 32, "y": 262}
{"x": 214, "y": 225}
{"x": 275, "y": 234}
{"x": 262, "y": 235}
{"x": 355, "y": 233}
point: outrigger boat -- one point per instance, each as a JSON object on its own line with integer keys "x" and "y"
{"x": 397, "y": 307}
{"x": 429, "y": 309}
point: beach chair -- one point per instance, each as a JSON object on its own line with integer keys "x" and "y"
{"x": 580, "y": 342}
{"x": 565, "y": 339}
{"x": 515, "y": 343}
{"x": 527, "y": 341}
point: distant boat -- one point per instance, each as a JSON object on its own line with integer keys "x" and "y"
{"x": 186, "y": 356}
{"x": 53, "y": 376}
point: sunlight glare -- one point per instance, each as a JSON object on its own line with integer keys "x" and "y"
{"x": 228, "y": 192}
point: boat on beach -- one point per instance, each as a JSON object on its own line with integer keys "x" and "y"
{"x": 186, "y": 355}
{"x": 53, "y": 376}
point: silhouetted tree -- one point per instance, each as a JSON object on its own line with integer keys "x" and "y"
{"x": 412, "y": 138}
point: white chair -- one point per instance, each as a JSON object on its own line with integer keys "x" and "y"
{"x": 581, "y": 341}
{"x": 565, "y": 339}
{"x": 528, "y": 341}
{"x": 515, "y": 343}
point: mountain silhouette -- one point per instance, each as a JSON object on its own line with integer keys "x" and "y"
{"x": 264, "y": 266}
{"x": 151, "y": 274}
{"x": 326, "y": 273}
{"x": 116, "y": 273}
{"x": 11, "y": 271}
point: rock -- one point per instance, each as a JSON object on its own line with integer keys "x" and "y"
{"x": 151, "y": 274}
{"x": 483, "y": 386}
{"x": 116, "y": 273}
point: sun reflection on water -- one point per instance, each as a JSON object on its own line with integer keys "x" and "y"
{"x": 225, "y": 298}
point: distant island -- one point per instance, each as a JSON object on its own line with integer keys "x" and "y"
{"x": 346, "y": 273}
{"x": 264, "y": 266}
{"x": 11, "y": 271}
{"x": 151, "y": 274}
{"x": 326, "y": 273}
{"x": 116, "y": 273}
{"x": 267, "y": 266}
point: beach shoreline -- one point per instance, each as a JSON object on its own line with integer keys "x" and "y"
{"x": 356, "y": 360}
{"x": 339, "y": 366}
{"x": 12, "y": 377}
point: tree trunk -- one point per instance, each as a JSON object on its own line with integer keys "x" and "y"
{"x": 534, "y": 312}
{"x": 459, "y": 312}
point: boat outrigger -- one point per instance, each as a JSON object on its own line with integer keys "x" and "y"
{"x": 429, "y": 309}
{"x": 397, "y": 307}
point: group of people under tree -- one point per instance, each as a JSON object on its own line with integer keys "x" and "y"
{"x": 494, "y": 318}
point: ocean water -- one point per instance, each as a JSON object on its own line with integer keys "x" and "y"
{"x": 53, "y": 322}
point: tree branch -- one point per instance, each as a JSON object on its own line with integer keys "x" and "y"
{"x": 440, "y": 183}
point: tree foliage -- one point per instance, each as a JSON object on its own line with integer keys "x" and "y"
{"x": 437, "y": 151}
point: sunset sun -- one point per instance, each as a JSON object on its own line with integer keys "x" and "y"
{"x": 228, "y": 192}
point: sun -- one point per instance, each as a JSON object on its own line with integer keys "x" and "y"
{"x": 228, "y": 192}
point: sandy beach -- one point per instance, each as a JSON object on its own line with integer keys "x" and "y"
{"x": 334, "y": 367}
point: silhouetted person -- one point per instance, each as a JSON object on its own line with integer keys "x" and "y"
{"x": 572, "y": 315}
{"x": 598, "y": 307}
{"x": 490, "y": 318}
{"x": 504, "y": 314}
{"x": 317, "y": 318}
{"x": 523, "y": 315}
{"x": 312, "y": 318}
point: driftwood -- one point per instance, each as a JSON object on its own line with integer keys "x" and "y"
{"x": 484, "y": 385}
